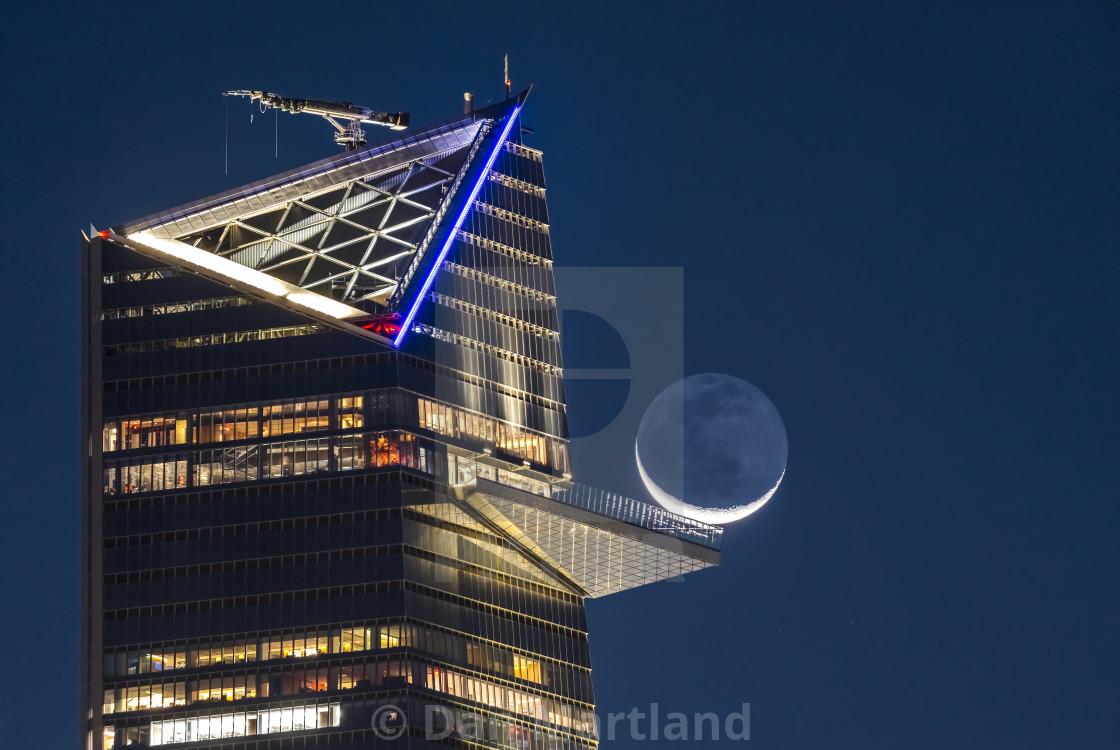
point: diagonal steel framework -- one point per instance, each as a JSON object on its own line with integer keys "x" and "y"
{"x": 350, "y": 241}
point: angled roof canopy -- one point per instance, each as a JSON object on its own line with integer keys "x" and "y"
{"x": 361, "y": 233}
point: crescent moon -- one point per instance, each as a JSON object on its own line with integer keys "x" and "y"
{"x": 704, "y": 515}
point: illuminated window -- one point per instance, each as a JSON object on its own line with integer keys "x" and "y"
{"x": 122, "y": 277}
{"x": 226, "y": 688}
{"x": 239, "y": 724}
{"x": 390, "y": 636}
{"x": 385, "y": 449}
{"x": 350, "y": 413}
{"x": 295, "y": 647}
{"x": 144, "y": 432}
{"x": 526, "y": 669}
{"x": 354, "y": 639}
{"x": 141, "y": 697}
{"x": 229, "y": 653}
{"x": 149, "y": 475}
{"x": 212, "y": 339}
{"x": 460, "y": 423}
{"x": 295, "y": 416}
{"x": 119, "y": 313}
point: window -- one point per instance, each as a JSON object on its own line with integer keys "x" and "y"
{"x": 239, "y": 724}
{"x": 159, "y": 473}
{"x": 524, "y": 483}
{"x": 349, "y": 453}
{"x": 295, "y": 416}
{"x": 384, "y": 450}
{"x": 144, "y": 432}
{"x": 484, "y": 657}
{"x": 295, "y": 646}
{"x": 225, "y": 465}
{"x": 350, "y": 414}
{"x": 301, "y": 681}
{"x": 390, "y": 636}
{"x": 459, "y": 423}
{"x": 140, "y": 697}
{"x": 226, "y": 688}
{"x": 230, "y": 653}
{"x": 354, "y": 639}
{"x": 121, "y": 663}
{"x": 525, "y": 668}
{"x": 287, "y": 458}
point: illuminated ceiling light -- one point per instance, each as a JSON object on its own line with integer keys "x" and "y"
{"x": 455, "y": 227}
{"x": 211, "y": 262}
{"x": 257, "y": 279}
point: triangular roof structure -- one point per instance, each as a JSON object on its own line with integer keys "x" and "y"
{"x": 350, "y": 240}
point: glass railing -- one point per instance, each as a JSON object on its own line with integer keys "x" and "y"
{"x": 638, "y": 513}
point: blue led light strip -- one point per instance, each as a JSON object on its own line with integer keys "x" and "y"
{"x": 455, "y": 228}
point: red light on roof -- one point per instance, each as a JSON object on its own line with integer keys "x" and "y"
{"x": 103, "y": 234}
{"x": 386, "y": 325}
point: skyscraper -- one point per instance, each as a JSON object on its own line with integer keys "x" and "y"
{"x": 327, "y": 498}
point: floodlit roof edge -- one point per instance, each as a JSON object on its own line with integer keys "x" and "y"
{"x": 307, "y": 171}
{"x": 315, "y": 306}
{"x": 236, "y": 272}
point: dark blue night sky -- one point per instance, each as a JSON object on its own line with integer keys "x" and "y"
{"x": 899, "y": 220}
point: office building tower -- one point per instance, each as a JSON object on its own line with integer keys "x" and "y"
{"x": 327, "y": 496}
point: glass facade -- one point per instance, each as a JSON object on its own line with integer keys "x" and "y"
{"x": 277, "y": 556}
{"x": 284, "y": 525}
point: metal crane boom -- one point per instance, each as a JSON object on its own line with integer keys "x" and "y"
{"x": 346, "y": 118}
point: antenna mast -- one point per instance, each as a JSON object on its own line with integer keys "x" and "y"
{"x": 346, "y": 118}
{"x": 508, "y": 82}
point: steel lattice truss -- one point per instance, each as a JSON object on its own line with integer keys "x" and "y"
{"x": 350, "y": 242}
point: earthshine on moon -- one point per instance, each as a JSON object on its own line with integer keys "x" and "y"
{"x": 712, "y": 448}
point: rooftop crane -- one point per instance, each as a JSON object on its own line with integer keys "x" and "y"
{"x": 347, "y": 118}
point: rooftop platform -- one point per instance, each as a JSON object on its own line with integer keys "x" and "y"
{"x": 599, "y": 542}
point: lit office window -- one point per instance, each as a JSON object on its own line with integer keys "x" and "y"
{"x": 231, "y": 688}
{"x": 230, "y": 653}
{"x": 154, "y": 474}
{"x": 354, "y": 639}
{"x": 240, "y": 724}
{"x": 525, "y": 668}
{"x": 350, "y": 412}
{"x": 295, "y": 647}
{"x": 141, "y": 697}
{"x": 144, "y": 432}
